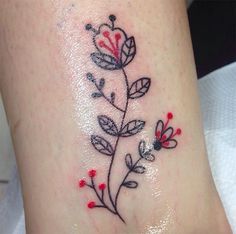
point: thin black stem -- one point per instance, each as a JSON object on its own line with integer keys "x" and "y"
{"x": 109, "y": 100}
{"x": 121, "y": 184}
{"x": 116, "y": 144}
{"x": 4, "y": 181}
{"x": 100, "y": 199}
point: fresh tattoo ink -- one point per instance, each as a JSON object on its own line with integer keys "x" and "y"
{"x": 114, "y": 51}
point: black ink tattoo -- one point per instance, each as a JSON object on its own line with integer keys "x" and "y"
{"x": 115, "y": 50}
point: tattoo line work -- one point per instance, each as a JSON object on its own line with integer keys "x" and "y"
{"x": 115, "y": 50}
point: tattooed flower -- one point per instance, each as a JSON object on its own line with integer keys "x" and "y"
{"x": 92, "y": 173}
{"x": 91, "y": 204}
{"x": 82, "y": 183}
{"x": 102, "y": 186}
{"x": 115, "y": 49}
{"x": 165, "y": 134}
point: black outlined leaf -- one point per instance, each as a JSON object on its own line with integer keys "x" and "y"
{"x": 139, "y": 88}
{"x": 101, "y": 145}
{"x": 105, "y": 61}
{"x": 139, "y": 169}
{"x": 108, "y": 125}
{"x": 145, "y": 152}
{"x": 129, "y": 161}
{"x": 130, "y": 184}
{"x": 90, "y": 77}
{"x": 96, "y": 95}
{"x": 101, "y": 83}
{"x": 128, "y": 51}
{"x": 132, "y": 128}
{"x": 113, "y": 97}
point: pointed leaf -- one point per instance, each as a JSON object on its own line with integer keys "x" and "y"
{"x": 129, "y": 161}
{"x": 102, "y": 145}
{"x": 130, "y": 184}
{"x": 96, "y": 95}
{"x": 139, "y": 169}
{"x": 105, "y": 61}
{"x": 101, "y": 83}
{"x": 112, "y": 97}
{"x": 139, "y": 88}
{"x": 128, "y": 51}
{"x": 145, "y": 152}
{"x": 132, "y": 128}
{"x": 108, "y": 125}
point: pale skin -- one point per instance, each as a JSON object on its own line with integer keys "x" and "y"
{"x": 45, "y": 56}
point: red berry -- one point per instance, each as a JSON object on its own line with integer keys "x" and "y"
{"x": 92, "y": 173}
{"x": 106, "y": 34}
{"x": 82, "y": 183}
{"x": 169, "y": 115}
{"x": 117, "y": 36}
{"x": 91, "y": 204}
{"x": 101, "y": 43}
{"x": 178, "y": 131}
{"x": 102, "y": 186}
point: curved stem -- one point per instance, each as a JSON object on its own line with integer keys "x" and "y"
{"x": 121, "y": 184}
{"x": 116, "y": 143}
{"x": 107, "y": 99}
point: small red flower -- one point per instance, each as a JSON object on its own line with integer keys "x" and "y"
{"x": 92, "y": 173}
{"x": 91, "y": 204}
{"x": 82, "y": 183}
{"x": 165, "y": 134}
{"x": 102, "y": 186}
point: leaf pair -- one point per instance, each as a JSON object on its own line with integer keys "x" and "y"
{"x": 109, "y": 126}
{"x": 134, "y": 168}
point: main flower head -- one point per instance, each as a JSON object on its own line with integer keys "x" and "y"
{"x": 114, "y": 49}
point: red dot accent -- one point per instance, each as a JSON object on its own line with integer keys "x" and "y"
{"x": 82, "y": 183}
{"x": 91, "y": 204}
{"x": 92, "y": 173}
{"x": 102, "y": 186}
{"x": 178, "y": 131}
{"x": 170, "y": 115}
{"x": 166, "y": 143}
{"x": 101, "y": 43}
{"x": 158, "y": 134}
{"x": 117, "y": 36}
{"x": 106, "y": 34}
{"x": 163, "y": 137}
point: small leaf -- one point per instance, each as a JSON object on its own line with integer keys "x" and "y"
{"x": 105, "y": 61}
{"x": 139, "y": 169}
{"x": 139, "y": 88}
{"x": 101, "y": 83}
{"x": 132, "y": 128}
{"x": 102, "y": 145}
{"x": 90, "y": 77}
{"x": 130, "y": 184}
{"x": 96, "y": 95}
{"x": 145, "y": 152}
{"x": 129, "y": 161}
{"x": 112, "y": 97}
{"x": 108, "y": 125}
{"x": 128, "y": 51}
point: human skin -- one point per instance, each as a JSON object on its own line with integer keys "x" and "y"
{"x": 45, "y": 56}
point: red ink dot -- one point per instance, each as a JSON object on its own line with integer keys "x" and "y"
{"x": 82, "y": 183}
{"x": 102, "y": 186}
{"x": 106, "y": 34}
{"x": 158, "y": 134}
{"x": 101, "y": 43}
{"x": 92, "y": 173}
{"x": 117, "y": 36}
{"x": 163, "y": 137}
{"x": 91, "y": 204}
{"x": 170, "y": 115}
{"x": 178, "y": 131}
{"x": 166, "y": 143}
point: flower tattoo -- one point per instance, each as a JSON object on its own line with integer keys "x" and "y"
{"x": 114, "y": 51}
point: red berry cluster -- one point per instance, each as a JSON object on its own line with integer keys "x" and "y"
{"x": 81, "y": 183}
